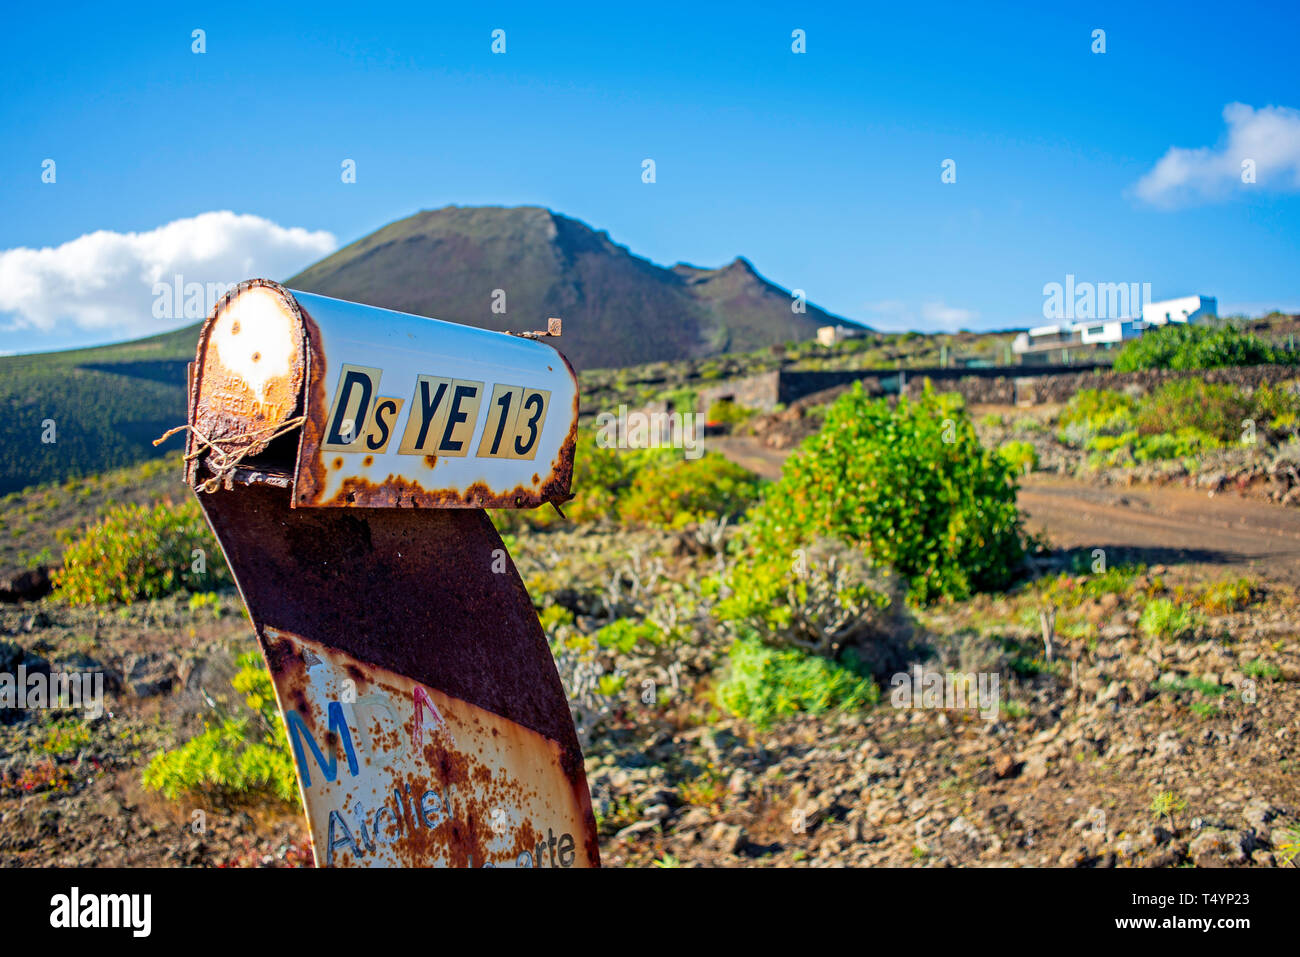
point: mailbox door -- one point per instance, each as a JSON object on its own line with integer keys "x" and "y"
{"x": 404, "y": 411}
{"x": 427, "y": 720}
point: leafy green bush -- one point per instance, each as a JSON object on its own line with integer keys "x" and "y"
{"x": 657, "y": 486}
{"x": 727, "y": 412}
{"x": 140, "y": 552}
{"x": 1164, "y": 619}
{"x": 1183, "y": 418}
{"x": 1224, "y": 597}
{"x": 823, "y": 598}
{"x": 624, "y": 634}
{"x": 1186, "y": 443}
{"x": 1203, "y": 346}
{"x": 1100, "y": 409}
{"x": 910, "y": 485}
{"x": 677, "y": 491}
{"x": 601, "y": 476}
{"x": 1209, "y": 408}
{"x": 1020, "y": 455}
{"x": 1277, "y": 408}
{"x": 765, "y": 683}
{"x": 1095, "y": 412}
{"x": 238, "y": 756}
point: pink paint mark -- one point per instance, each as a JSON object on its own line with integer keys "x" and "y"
{"x": 421, "y": 697}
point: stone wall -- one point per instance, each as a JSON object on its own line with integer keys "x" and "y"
{"x": 1005, "y": 385}
{"x": 1039, "y": 388}
{"x": 762, "y": 392}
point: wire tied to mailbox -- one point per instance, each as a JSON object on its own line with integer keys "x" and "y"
{"x": 223, "y": 462}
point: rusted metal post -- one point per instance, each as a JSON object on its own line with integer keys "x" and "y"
{"x": 343, "y": 456}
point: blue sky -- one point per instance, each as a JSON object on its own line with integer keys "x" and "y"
{"x": 822, "y": 168}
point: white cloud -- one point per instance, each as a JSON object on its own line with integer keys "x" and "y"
{"x": 103, "y": 281}
{"x": 893, "y": 315}
{"x": 1269, "y": 136}
{"x": 937, "y": 315}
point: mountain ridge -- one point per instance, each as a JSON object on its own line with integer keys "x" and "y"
{"x": 459, "y": 262}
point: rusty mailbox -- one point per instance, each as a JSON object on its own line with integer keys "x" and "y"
{"x": 344, "y": 455}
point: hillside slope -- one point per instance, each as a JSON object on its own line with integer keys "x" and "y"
{"x": 107, "y": 405}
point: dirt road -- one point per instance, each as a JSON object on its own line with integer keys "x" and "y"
{"x": 1167, "y": 525}
{"x": 1155, "y": 525}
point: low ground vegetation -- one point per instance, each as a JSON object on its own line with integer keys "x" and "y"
{"x": 729, "y": 649}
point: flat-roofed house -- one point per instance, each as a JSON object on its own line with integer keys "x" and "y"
{"x": 1044, "y": 344}
{"x": 1185, "y": 309}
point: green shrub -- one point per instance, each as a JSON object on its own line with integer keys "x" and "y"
{"x": 822, "y": 598}
{"x": 1259, "y": 668}
{"x": 910, "y": 485}
{"x": 140, "y": 552}
{"x": 601, "y": 476}
{"x": 1184, "y": 443}
{"x": 657, "y": 486}
{"x": 239, "y": 755}
{"x": 66, "y": 736}
{"x": 1277, "y": 409}
{"x": 765, "y": 683}
{"x": 625, "y": 634}
{"x": 1221, "y": 598}
{"x": 1208, "y": 408}
{"x": 727, "y": 412}
{"x": 1166, "y": 620}
{"x": 1020, "y": 455}
{"x": 1203, "y": 346}
{"x": 1100, "y": 411}
{"x": 676, "y": 491}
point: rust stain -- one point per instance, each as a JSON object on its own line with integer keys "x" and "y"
{"x": 230, "y": 405}
{"x": 431, "y": 460}
{"x": 435, "y": 614}
{"x": 484, "y": 812}
{"x": 398, "y": 492}
{"x": 309, "y": 476}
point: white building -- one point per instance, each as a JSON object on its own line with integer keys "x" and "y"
{"x": 833, "y": 335}
{"x": 1186, "y": 309}
{"x": 1042, "y": 342}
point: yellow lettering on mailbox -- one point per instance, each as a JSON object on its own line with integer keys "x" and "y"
{"x": 499, "y": 431}
{"x": 528, "y": 424}
{"x": 424, "y": 424}
{"x": 463, "y": 400}
{"x": 354, "y": 401}
{"x": 382, "y": 421}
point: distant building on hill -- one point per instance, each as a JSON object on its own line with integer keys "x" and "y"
{"x": 1186, "y": 309}
{"x": 830, "y": 336}
{"x": 1047, "y": 344}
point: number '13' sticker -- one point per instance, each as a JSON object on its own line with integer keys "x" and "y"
{"x": 515, "y": 418}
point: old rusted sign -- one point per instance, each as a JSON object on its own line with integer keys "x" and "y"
{"x": 342, "y": 455}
